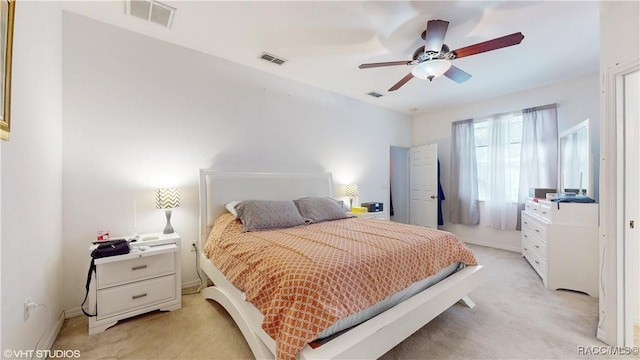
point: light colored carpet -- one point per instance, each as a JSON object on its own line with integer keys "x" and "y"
{"x": 515, "y": 318}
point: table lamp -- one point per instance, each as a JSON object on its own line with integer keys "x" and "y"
{"x": 351, "y": 191}
{"x": 167, "y": 198}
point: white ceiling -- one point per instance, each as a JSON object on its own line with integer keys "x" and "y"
{"x": 325, "y": 41}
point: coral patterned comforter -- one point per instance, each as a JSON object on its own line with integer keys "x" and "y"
{"x": 303, "y": 279}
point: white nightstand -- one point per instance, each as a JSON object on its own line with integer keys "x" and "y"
{"x": 373, "y": 215}
{"x": 146, "y": 279}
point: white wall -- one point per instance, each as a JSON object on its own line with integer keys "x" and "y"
{"x": 31, "y": 180}
{"x": 140, "y": 113}
{"x": 619, "y": 44}
{"x": 577, "y": 100}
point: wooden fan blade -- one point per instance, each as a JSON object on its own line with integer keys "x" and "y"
{"x": 457, "y": 75}
{"x": 399, "y": 84}
{"x": 434, "y": 35}
{"x": 390, "y": 63}
{"x": 498, "y": 43}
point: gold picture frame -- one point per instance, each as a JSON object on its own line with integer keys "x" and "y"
{"x": 7, "y": 12}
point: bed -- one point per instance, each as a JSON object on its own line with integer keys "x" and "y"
{"x": 371, "y": 338}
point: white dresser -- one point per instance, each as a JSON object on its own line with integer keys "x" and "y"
{"x": 146, "y": 279}
{"x": 560, "y": 241}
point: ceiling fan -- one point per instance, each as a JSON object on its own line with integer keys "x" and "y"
{"x": 433, "y": 58}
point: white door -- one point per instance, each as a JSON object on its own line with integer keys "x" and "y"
{"x": 423, "y": 185}
{"x": 631, "y": 120}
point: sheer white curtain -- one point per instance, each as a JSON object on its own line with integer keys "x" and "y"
{"x": 464, "y": 174}
{"x": 539, "y": 153}
{"x": 500, "y": 205}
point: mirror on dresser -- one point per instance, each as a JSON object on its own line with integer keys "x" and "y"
{"x": 575, "y": 160}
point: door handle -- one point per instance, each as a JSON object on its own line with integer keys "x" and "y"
{"x": 434, "y": 197}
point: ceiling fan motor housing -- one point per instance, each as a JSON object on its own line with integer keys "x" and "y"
{"x": 420, "y": 55}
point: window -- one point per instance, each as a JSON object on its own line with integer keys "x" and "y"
{"x": 497, "y": 159}
{"x": 510, "y": 153}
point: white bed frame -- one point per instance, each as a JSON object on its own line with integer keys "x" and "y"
{"x": 370, "y": 339}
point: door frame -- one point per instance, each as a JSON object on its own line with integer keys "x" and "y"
{"x": 613, "y": 328}
{"x": 630, "y": 234}
{"x": 405, "y": 201}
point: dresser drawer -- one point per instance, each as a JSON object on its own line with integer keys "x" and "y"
{"x": 129, "y": 297}
{"x": 534, "y": 227}
{"x": 545, "y": 211}
{"x": 534, "y": 243}
{"x": 380, "y": 216}
{"x": 540, "y": 247}
{"x": 538, "y": 264}
{"x": 527, "y": 248}
{"x": 115, "y": 273}
{"x": 533, "y": 206}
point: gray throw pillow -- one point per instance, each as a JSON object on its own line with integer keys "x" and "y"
{"x": 319, "y": 209}
{"x": 268, "y": 214}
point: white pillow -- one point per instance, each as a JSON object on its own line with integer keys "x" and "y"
{"x": 231, "y": 207}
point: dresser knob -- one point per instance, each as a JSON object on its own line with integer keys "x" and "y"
{"x": 139, "y": 267}
{"x": 138, "y": 296}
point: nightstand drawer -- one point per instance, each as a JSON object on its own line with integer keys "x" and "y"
{"x": 382, "y": 215}
{"x": 137, "y": 295}
{"x": 115, "y": 273}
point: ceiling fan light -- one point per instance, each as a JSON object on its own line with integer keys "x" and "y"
{"x": 431, "y": 69}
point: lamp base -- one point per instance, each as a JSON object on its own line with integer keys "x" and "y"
{"x": 168, "y": 229}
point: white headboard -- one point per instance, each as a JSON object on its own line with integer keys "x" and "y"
{"x": 218, "y": 188}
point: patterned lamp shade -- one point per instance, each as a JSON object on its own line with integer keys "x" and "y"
{"x": 167, "y": 198}
{"x": 351, "y": 190}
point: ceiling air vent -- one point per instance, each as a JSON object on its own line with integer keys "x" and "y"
{"x": 272, "y": 58}
{"x": 374, "y": 94}
{"x": 150, "y": 10}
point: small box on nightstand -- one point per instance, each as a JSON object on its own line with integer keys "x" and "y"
{"x": 373, "y": 206}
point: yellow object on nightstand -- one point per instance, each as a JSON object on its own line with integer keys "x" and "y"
{"x": 359, "y": 210}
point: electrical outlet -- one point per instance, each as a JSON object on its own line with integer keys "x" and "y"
{"x": 193, "y": 247}
{"x": 28, "y": 305}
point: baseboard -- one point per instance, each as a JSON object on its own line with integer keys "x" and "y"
{"x": 71, "y": 313}
{"x": 53, "y": 333}
{"x": 191, "y": 284}
{"x": 494, "y": 245}
{"x": 601, "y": 334}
